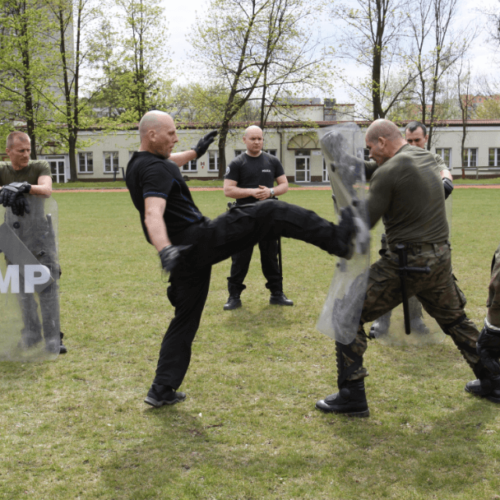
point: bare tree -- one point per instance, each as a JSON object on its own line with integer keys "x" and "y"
{"x": 436, "y": 48}
{"x": 372, "y": 37}
{"x": 465, "y": 101}
{"x": 251, "y": 45}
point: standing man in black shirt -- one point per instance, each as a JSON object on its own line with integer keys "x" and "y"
{"x": 250, "y": 178}
{"x": 189, "y": 243}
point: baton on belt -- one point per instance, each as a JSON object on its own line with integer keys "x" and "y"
{"x": 404, "y": 269}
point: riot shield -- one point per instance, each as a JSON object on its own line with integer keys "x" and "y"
{"x": 449, "y": 206}
{"x": 342, "y": 147}
{"x": 390, "y": 328}
{"x": 29, "y": 276}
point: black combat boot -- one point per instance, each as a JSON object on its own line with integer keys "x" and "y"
{"x": 350, "y": 400}
{"x": 233, "y": 302}
{"x": 280, "y": 299}
{"x": 488, "y": 388}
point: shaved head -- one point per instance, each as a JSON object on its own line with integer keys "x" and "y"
{"x": 158, "y": 133}
{"x": 153, "y": 120}
{"x": 384, "y": 140}
{"x": 383, "y": 128}
{"x": 252, "y": 128}
{"x": 254, "y": 140}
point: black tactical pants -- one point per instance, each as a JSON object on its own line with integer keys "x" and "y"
{"x": 269, "y": 263}
{"x": 212, "y": 242}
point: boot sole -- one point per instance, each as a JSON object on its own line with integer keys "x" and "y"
{"x": 493, "y": 399}
{"x": 159, "y": 404}
{"x": 358, "y": 414}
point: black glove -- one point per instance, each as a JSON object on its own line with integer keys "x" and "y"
{"x": 170, "y": 256}
{"x": 11, "y": 191}
{"x": 204, "y": 142}
{"x": 488, "y": 347}
{"x": 20, "y": 206}
{"x": 346, "y": 230}
{"x": 448, "y": 187}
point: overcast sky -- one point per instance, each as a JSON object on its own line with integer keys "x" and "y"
{"x": 180, "y": 20}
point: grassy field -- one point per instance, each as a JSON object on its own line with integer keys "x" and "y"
{"x": 78, "y": 427}
{"x": 218, "y": 183}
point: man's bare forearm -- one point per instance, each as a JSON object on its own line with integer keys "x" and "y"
{"x": 183, "y": 157}
{"x": 237, "y": 193}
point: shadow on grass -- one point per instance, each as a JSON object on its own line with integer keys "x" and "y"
{"x": 185, "y": 457}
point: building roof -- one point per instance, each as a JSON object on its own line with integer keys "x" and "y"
{"x": 305, "y": 123}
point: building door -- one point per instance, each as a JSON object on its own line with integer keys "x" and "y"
{"x": 302, "y": 169}
{"x": 57, "y": 167}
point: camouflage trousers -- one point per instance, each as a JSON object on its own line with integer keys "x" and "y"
{"x": 493, "y": 302}
{"x": 437, "y": 291}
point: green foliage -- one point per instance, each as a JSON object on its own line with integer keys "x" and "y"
{"x": 27, "y": 68}
{"x": 130, "y": 54}
{"x": 196, "y": 103}
{"x": 78, "y": 427}
{"x": 489, "y": 109}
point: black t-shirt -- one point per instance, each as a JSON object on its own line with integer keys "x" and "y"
{"x": 252, "y": 172}
{"x": 149, "y": 175}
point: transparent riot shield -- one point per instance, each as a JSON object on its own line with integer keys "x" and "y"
{"x": 449, "y": 209}
{"x": 390, "y": 328}
{"x": 342, "y": 147}
{"x": 29, "y": 275}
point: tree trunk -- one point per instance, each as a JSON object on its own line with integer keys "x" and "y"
{"x": 72, "y": 156}
{"x": 223, "y": 131}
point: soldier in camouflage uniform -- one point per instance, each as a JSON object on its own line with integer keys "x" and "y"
{"x": 415, "y": 135}
{"x": 488, "y": 343}
{"x": 407, "y": 191}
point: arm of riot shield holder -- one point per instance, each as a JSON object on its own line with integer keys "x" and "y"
{"x": 404, "y": 269}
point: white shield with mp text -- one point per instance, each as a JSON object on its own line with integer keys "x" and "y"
{"x": 29, "y": 276}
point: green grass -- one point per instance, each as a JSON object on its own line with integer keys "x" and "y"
{"x": 472, "y": 182}
{"x": 78, "y": 427}
{"x": 121, "y": 184}
{"x": 218, "y": 183}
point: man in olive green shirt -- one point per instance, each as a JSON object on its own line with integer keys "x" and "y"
{"x": 415, "y": 135}
{"x": 407, "y": 191}
{"x": 22, "y": 175}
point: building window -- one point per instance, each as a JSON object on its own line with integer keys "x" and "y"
{"x": 366, "y": 154}
{"x": 213, "y": 161}
{"x": 445, "y": 154}
{"x": 85, "y": 163}
{"x": 190, "y": 166}
{"x": 494, "y": 157}
{"x": 326, "y": 177}
{"x": 470, "y": 157}
{"x": 237, "y": 152}
{"x": 110, "y": 161}
{"x": 271, "y": 151}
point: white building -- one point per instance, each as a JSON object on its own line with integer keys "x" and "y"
{"x": 294, "y": 142}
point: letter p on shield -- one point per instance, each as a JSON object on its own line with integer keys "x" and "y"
{"x": 33, "y": 275}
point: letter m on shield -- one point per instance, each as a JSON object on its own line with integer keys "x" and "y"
{"x": 12, "y": 278}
